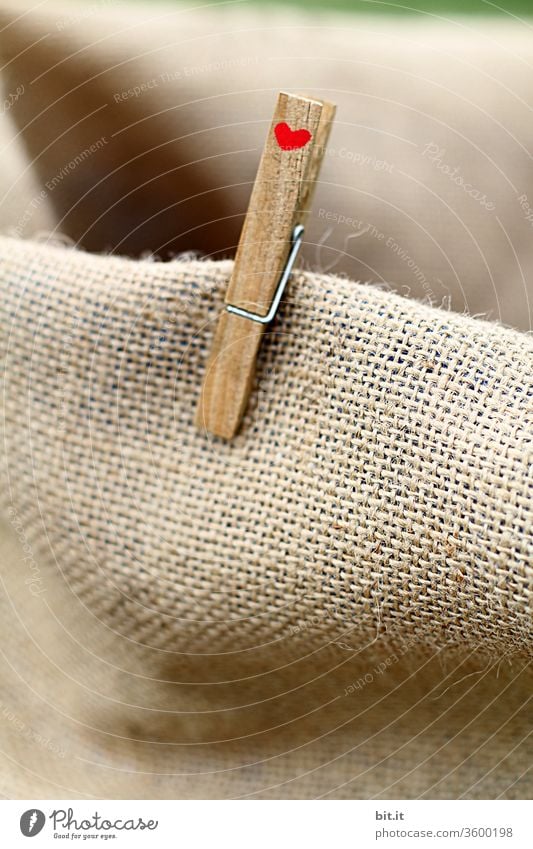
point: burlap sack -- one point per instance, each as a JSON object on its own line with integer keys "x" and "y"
{"x": 337, "y": 602}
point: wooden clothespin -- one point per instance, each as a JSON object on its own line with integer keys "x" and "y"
{"x": 270, "y": 238}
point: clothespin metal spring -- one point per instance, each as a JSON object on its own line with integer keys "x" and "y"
{"x": 296, "y": 241}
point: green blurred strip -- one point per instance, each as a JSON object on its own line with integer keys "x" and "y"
{"x": 444, "y": 8}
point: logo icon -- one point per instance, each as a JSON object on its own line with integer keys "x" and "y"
{"x": 32, "y": 822}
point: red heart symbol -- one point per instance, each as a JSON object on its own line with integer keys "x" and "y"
{"x": 291, "y": 139}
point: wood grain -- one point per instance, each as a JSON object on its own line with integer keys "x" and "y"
{"x": 280, "y": 199}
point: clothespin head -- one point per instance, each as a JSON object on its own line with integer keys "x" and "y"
{"x": 270, "y": 238}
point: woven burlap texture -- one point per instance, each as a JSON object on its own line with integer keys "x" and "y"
{"x": 334, "y": 604}
{"x": 219, "y": 611}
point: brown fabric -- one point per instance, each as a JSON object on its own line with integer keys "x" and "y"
{"x": 427, "y": 184}
{"x": 334, "y": 604}
{"x": 374, "y": 509}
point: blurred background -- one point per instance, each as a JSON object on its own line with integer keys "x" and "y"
{"x": 136, "y": 128}
{"x": 409, "y": 7}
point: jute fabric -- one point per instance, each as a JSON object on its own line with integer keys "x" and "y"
{"x": 336, "y": 603}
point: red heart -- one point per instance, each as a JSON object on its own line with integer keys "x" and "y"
{"x": 291, "y": 139}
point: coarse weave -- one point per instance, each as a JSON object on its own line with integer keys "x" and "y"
{"x": 336, "y": 603}
{"x": 375, "y": 509}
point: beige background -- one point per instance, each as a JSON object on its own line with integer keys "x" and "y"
{"x": 337, "y": 603}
